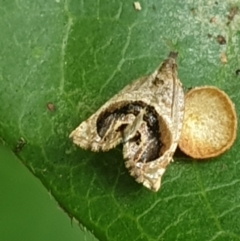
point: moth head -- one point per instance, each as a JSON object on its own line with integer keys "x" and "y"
{"x": 168, "y": 68}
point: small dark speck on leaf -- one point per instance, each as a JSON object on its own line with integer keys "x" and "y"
{"x": 232, "y": 12}
{"x": 223, "y": 58}
{"x": 216, "y": 3}
{"x": 209, "y": 35}
{"x": 20, "y": 144}
{"x": 193, "y": 10}
{"x": 213, "y": 20}
{"x": 221, "y": 40}
{"x": 173, "y": 55}
{"x": 154, "y": 7}
{"x": 237, "y": 72}
{"x": 50, "y": 107}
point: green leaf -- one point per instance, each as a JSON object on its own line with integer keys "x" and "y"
{"x": 25, "y": 206}
{"x": 77, "y": 54}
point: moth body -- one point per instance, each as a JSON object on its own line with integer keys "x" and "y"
{"x": 146, "y": 116}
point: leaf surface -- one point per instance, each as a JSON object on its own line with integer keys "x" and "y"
{"x": 61, "y": 60}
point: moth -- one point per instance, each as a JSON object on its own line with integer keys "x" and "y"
{"x": 146, "y": 117}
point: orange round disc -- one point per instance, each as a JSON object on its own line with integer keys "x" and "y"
{"x": 210, "y": 123}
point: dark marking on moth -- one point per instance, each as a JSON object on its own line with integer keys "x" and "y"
{"x": 136, "y": 138}
{"x": 116, "y": 112}
{"x": 158, "y": 82}
{"x": 104, "y": 122}
{"x": 237, "y": 72}
{"x": 152, "y": 152}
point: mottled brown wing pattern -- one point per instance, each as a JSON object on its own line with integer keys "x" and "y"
{"x": 146, "y": 116}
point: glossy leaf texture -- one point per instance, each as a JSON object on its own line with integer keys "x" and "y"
{"x": 61, "y": 60}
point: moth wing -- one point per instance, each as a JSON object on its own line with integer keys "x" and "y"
{"x": 169, "y": 105}
{"x": 87, "y": 136}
